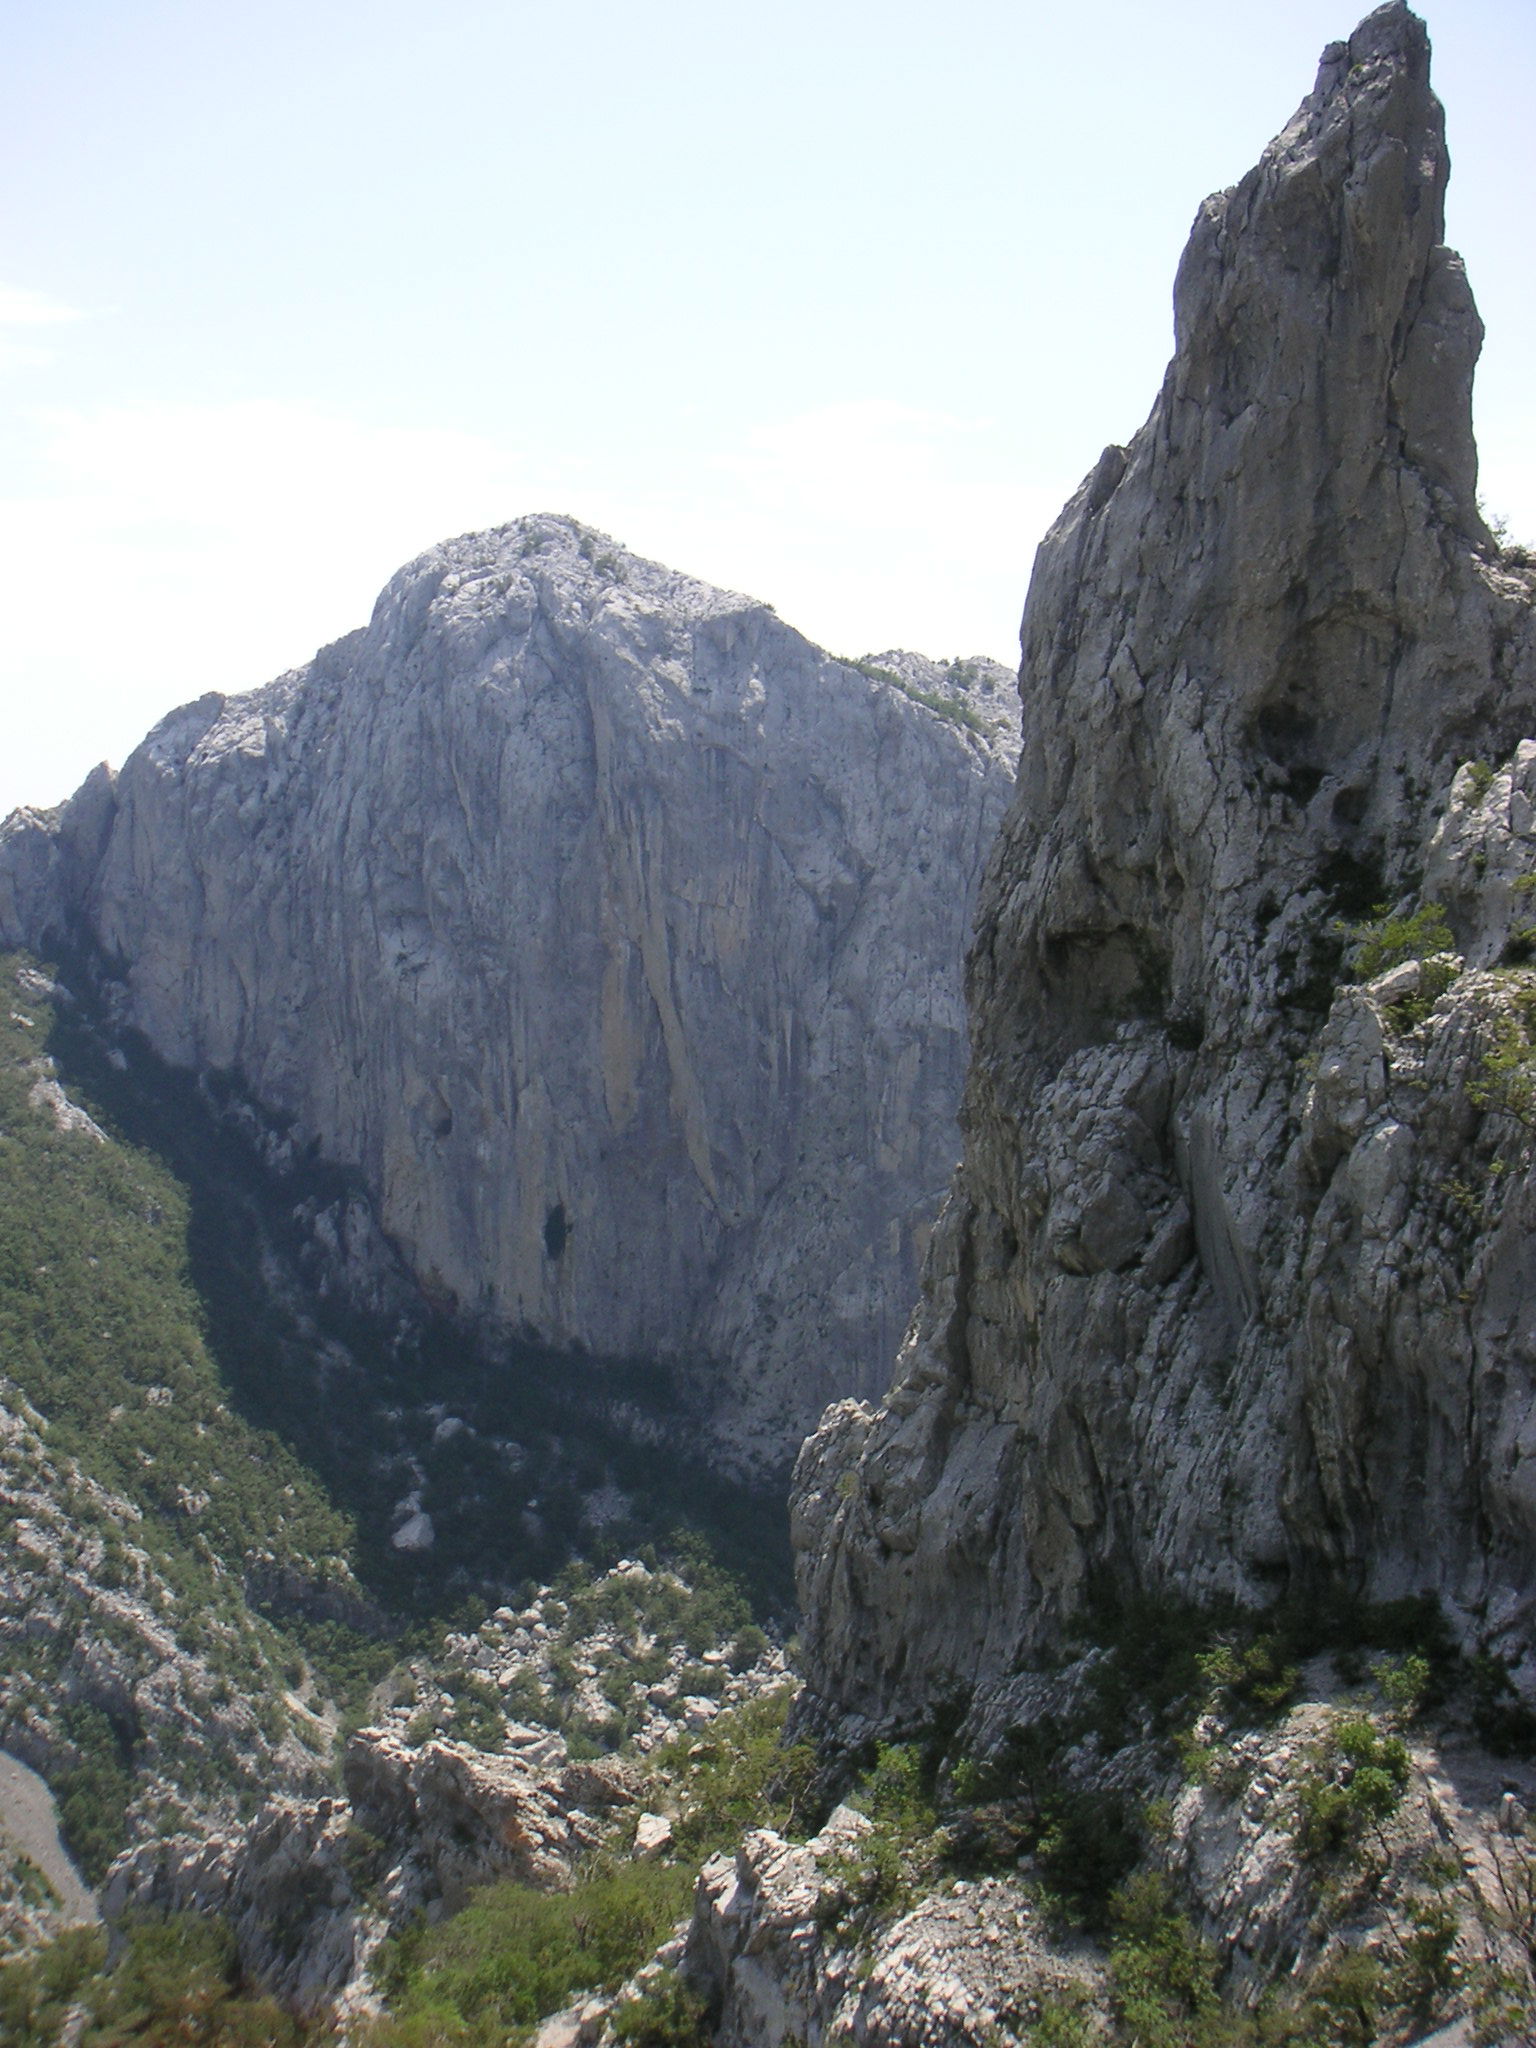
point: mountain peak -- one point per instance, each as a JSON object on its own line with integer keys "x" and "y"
{"x": 1182, "y": 1329}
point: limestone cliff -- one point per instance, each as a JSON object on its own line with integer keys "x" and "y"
{"x": 1234, "y": 1290}
{"x": 612, "y": 931}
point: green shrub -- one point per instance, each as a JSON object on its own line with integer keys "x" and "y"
{"x": 175, "y": 1980}
{"x": 1506, "y": 1082}
{"x": 701, "y": 1681}
{"x": 1356, "y": 1780}
{"x": 1086, "y": 1847}
{"x": 739, "y": 1775}
{"x": 514, "y": 1955}
{"x": 1024, "y": 1769}
{"x": 1501, "y": 1719}
{"x": 477, "y": 1716}
{"x": 1151, "y": 1676}
{"x": 749, "y": 1644}
{"x": 1067, "y": 2020}
{"x": 1163, "y": 1974}
{"x": 1251, "y": 1680}
{"x": 669, "y": 2014}
{"x": 1345, "y": 1999}
{"x": 93, "y": 1791}
{"x": 1387, "y": 941}
{"x": 37, "y": 1991}
{"x": 1406, "y": 1685}
{"x": 1429, "y": 1952}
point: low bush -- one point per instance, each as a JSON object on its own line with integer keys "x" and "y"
{"x": 37, "y": 1991}
{"x": 1387, "y": 941}
{"x": 1086, "y": 1849}
{"x": 1355, "y": 1780}
{"x": 93, "y": 1791}
{"x": 1163, "y": 1974}
{"x": 668, "y": 2014}
{"x": 514, "y": 1954}
{"x": 477, "y": 1716}
{"x": 174, "y": 1980}
{"x": 737, "y": 1775}
{"x": 1251, "y": 1681}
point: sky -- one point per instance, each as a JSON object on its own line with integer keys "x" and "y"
{"x": 834, "y": 304}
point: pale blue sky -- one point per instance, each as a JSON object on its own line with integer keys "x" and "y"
{"x": 833, "y": 304}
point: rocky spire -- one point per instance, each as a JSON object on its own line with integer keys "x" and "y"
{"x": 1196, "y": 1320}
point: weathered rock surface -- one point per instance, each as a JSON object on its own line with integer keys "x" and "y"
{"x": 779, "y": 1948}
{"x": 1233, "y": 1292}
{"x": 608, "y": 927}
{"x": 311, "y": 1886}
{"x": 969, "y": 1964}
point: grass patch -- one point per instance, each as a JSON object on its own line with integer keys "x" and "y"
{"x": 514, "y": 1954}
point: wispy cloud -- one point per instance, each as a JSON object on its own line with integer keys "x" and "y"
{"x": 22, "y": 308}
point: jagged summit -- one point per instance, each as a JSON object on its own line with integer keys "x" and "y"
{"x": 1198, "y": 1319}
{"x": 1319, "y": 323}
{"x": 551, "y": 548}
{"x": 609, "y": 929}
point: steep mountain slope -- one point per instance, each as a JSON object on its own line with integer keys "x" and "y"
{"x": 142, "y": 1521}
{"x": 1233, "y": 1292}
{"x": 606, "y": 927}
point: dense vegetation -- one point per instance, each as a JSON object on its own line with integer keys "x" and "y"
{"x": 127, "y": 1471}
{"x": 176, "y": 1981}
{"x": 101, "y": 1332}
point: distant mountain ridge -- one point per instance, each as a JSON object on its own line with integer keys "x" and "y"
{"x": 607, "y": 928}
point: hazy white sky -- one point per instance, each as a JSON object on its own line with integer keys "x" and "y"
{"x": 832, "y": 303}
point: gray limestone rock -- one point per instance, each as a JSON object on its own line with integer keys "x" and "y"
{"x": 964, "y": 1966}
{"x": 612, "y": 931}
{"x": 1233, "y": 1289}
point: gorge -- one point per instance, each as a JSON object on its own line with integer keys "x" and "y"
{"x": 1167, "y": 1665}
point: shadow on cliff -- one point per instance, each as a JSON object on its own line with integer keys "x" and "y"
{"x": 495, "y": 1460}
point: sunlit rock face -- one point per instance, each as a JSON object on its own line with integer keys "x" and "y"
{"x": 1210, "y": 1311}
{"x": 611, "y": 930}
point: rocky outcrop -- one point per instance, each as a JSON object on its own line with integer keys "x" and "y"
{"x": 967, "y": 1965}
{"x": 311, "y": 1886}
{"x": 1430, "y": 1905}
{"x": 1232, "y": 1292}
{"x": 607, "y": 927}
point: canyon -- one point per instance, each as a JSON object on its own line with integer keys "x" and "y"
{"x": 1167, "y": 1657}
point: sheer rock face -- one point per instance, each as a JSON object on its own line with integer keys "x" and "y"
{"x": 608, "y": 927}
{"x": 1201, "y": 1315}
